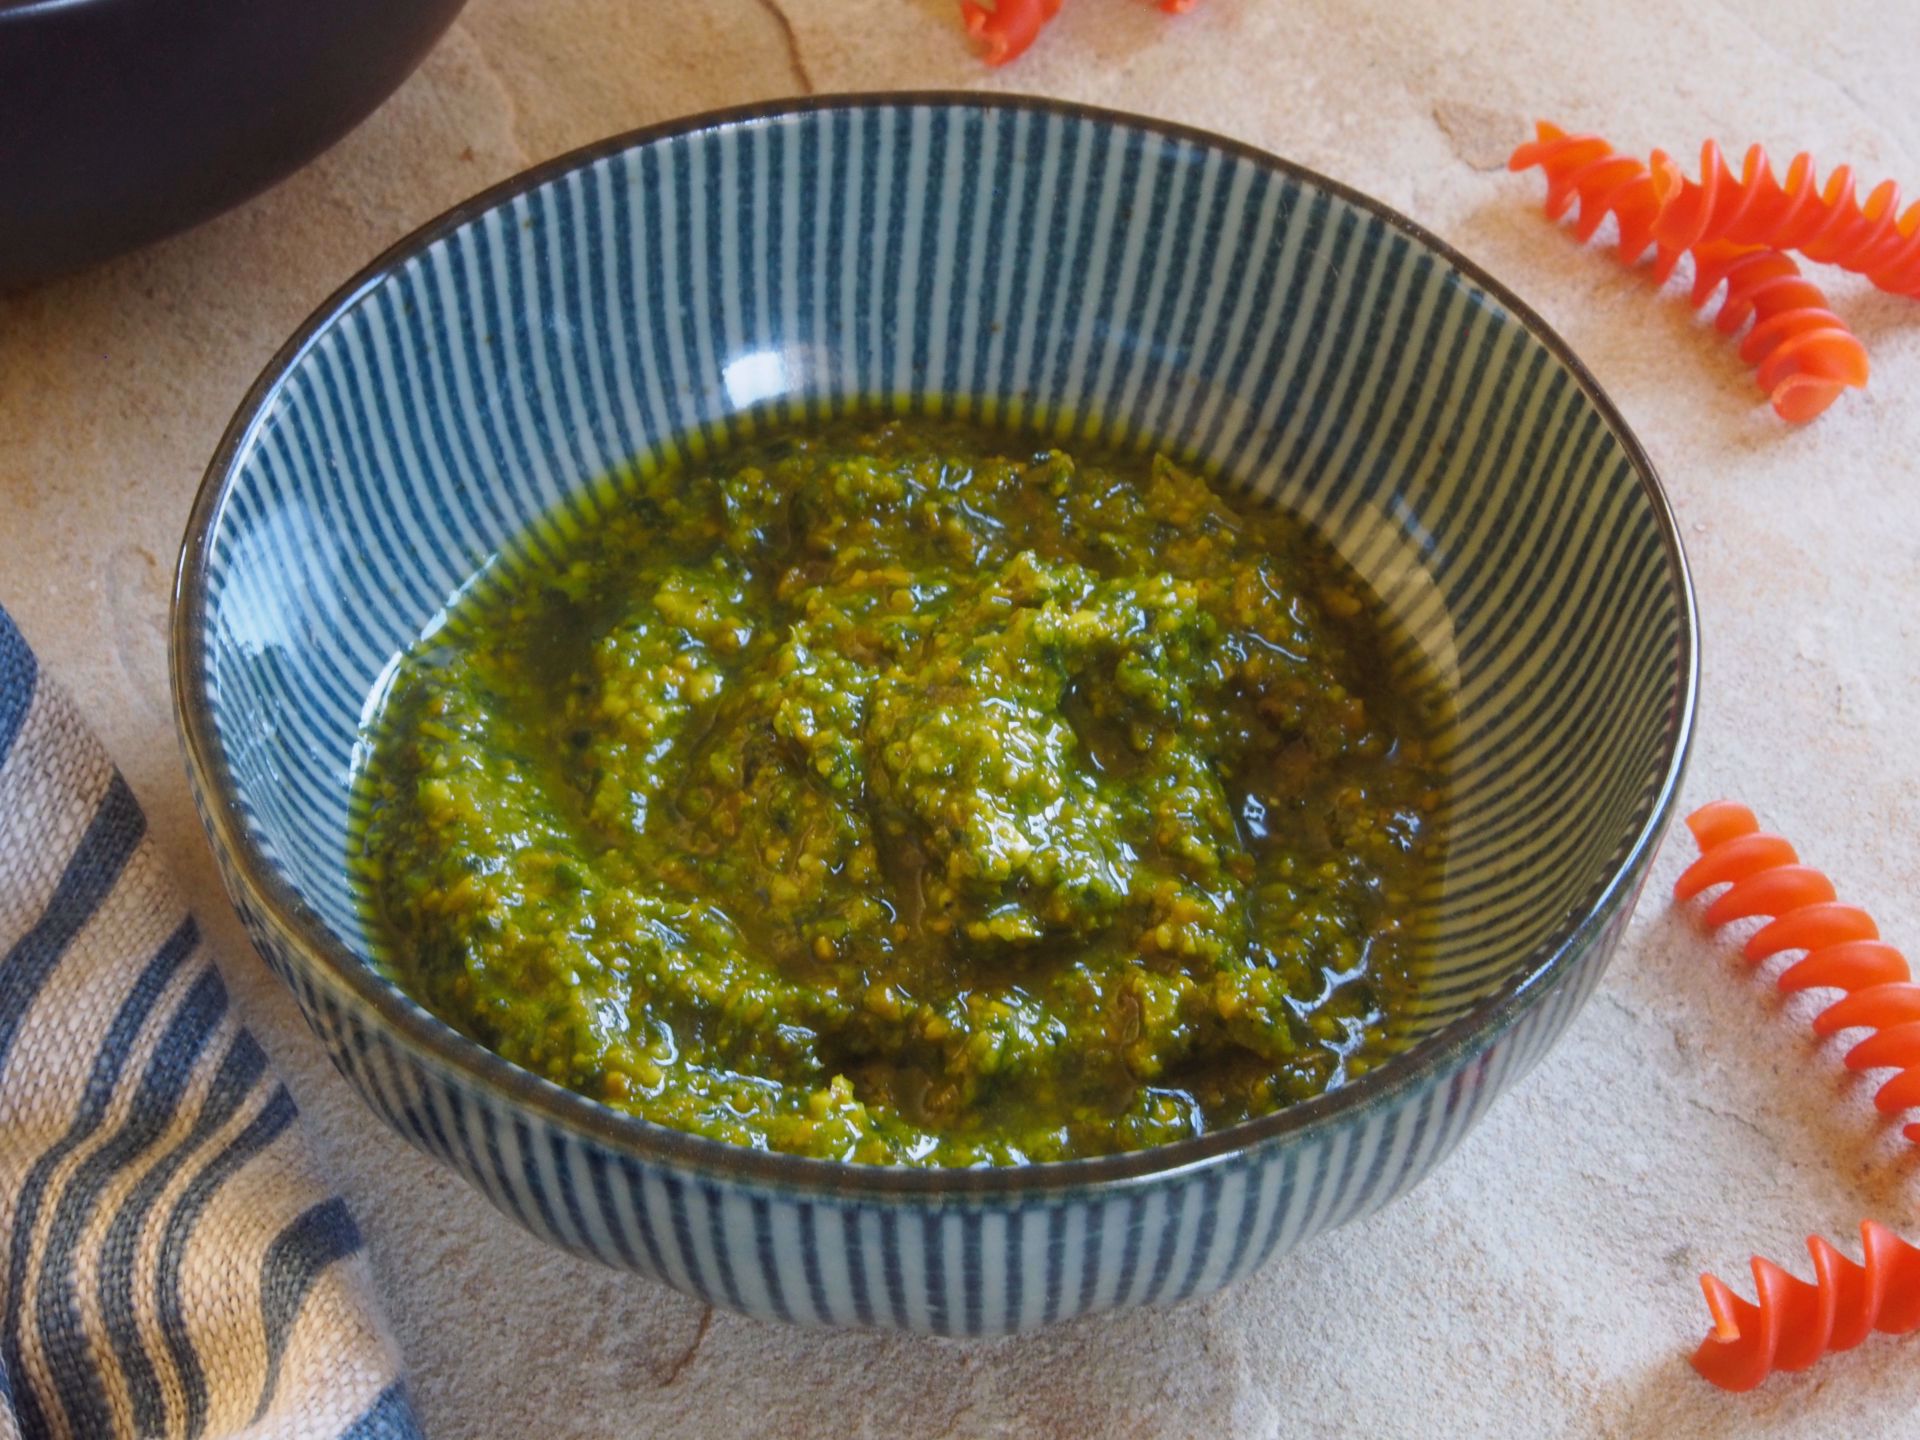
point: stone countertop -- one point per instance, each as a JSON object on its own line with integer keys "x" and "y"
{"x": 1543, "y": 1281}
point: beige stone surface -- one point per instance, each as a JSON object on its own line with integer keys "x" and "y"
{"x": 1542, "y": 1283}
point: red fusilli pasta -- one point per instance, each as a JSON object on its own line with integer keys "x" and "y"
{"x": 1826, "y": 223}
{"x": 1791, "y": 1323}
{"x": 1804, "y": 355}
{"x": 1843, "y": 947}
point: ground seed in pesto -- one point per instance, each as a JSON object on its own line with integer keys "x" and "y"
{"x": 908, "y": 793}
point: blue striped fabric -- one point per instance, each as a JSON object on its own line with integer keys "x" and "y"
{"x": 169, "y": 1269}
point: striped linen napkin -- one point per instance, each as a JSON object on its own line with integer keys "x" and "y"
{"x": 171, "y": 1266}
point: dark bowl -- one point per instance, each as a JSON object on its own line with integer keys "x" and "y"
{"x": 125, "y": 120}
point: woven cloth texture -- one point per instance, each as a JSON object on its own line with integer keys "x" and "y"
{"x": 170, "y": 1264}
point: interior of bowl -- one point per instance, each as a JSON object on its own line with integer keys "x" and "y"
{"x": 1036, "y": 265}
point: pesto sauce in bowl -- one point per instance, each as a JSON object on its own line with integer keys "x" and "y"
{"x": 906, "y": 792}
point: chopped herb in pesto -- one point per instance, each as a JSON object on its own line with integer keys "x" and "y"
{"x": 892, "y": 792}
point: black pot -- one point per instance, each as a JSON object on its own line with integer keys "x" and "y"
{"x": 125, "y": 120}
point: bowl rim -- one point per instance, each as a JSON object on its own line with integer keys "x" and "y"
{"x": 1451, "y": 1047}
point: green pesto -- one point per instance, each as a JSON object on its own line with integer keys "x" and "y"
{"x": 909, "y": 793}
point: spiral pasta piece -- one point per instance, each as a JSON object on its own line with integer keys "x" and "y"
{"x": 1825, "y": 223}
{"x": 1586, "y": 169}
{"x": 1791, "y": 1323}
{"x": 1841, "y": 944}
{"x": 1009, "y": 26}
{"x": 1802, "y": 353}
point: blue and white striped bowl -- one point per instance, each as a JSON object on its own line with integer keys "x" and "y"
{"x": 1090, "y": 273}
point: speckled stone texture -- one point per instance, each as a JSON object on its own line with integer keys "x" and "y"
{"x": 1542, "y": 1283}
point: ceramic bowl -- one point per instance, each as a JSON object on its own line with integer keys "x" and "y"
{"x": 125, "y": 120}
{"x": 1059, "y": 267}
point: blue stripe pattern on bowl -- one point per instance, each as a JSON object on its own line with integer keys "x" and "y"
{"x": 469, "y": 398}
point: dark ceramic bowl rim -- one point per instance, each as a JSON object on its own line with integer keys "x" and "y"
{"x": 644, "y": 1140}
{"x": 47, "y": 7}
